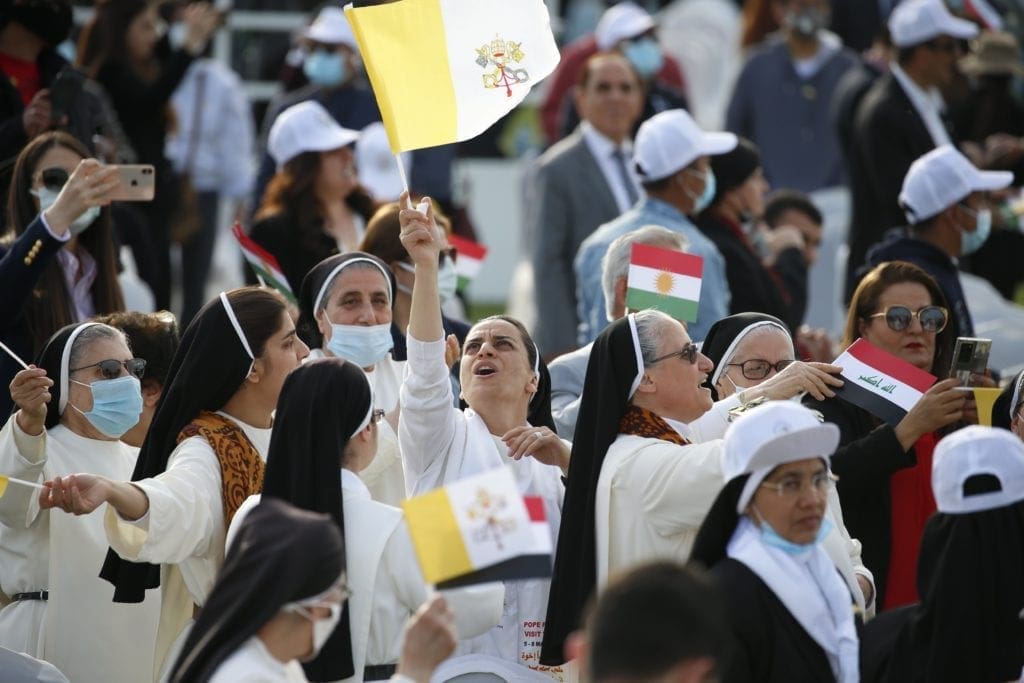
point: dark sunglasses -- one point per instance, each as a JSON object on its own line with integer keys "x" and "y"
{"x": 54, "y": 179}
{"x": 898, "y": 318}
{"x": 111, "y": 368}
{"x": 758, "y": 368}
{"x": 689, "y": 352}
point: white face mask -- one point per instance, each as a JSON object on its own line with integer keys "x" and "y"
{"x": 447, "y": 279}
{"x": 46, "y": 199}
{"x": 322, "y": 627}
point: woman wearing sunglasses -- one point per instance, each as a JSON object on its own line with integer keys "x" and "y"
{"x": 74, "y": 405}
{"x": 885, "y": 472}
{"x": 57, "y": 261}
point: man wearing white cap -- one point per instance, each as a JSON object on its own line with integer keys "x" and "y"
{"x": 672, "y": 158}
{"x": 621, "y": 24}
{"x": 903, "y": 114}
{"x": 943, "y": 198}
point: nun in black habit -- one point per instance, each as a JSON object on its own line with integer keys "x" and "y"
{"x": 278, "y": 595}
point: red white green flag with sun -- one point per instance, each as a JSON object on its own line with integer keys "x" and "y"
{"x": 665, "y": 280}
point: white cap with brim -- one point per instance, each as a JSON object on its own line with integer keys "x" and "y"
{"x": 306, "y": 127}
{"x": 672, "y": 140}
{"x": 773, "y": 434}
{"x": 940, "y": 179}
{"x": 331, "y": 27}
{"x": 378, "y": 170}
{"x": 974, "y": 451}
{"x": 621, "y": 22}
{"x": 917, "y": 21}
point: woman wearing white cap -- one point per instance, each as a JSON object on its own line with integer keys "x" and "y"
{"x": 968, "y": 624}
{"x": 791, "y": 613}
{"x": 314, "y": 206}
{"x": 73, "y": 406}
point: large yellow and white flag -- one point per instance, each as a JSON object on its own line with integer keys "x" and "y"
{"x": 446, "y": 70}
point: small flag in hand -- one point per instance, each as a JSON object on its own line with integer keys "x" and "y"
{"x": 469, "y": 258}
{"x": 263, "y": 262}
{"x": 880, "y": 383}
{"x": 479, "y": 529}
{"x": 665, "y": 280}
{"x": 5, "y": 480}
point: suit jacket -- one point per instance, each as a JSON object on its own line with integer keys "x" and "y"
{"x": 889, "y": 135}
{"x": 569, "y": 198}
{"x": 568, "y": 373}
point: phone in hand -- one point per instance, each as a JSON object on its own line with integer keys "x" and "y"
{"x": 138, "y": 183}
{"x": 970, "y": 356}
{"x": 64, "y": 91}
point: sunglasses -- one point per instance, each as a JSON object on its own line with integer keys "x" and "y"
{"x": 898, "y": 318}
{"x": 758, "y": 368}
{"x": 689, "y": 352}
{"x": 111, "y": 368}
{"x": 54, "y": 179}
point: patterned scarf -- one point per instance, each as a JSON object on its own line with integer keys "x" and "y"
{"x": 241, "y": 467}
{"x": 642, "y": 422}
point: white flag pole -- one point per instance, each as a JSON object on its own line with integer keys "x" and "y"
{"x": 13, "y": 355}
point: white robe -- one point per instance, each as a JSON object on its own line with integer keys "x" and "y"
{"x": 441, "y": 444}
{"x": 252, "y": 663}
{"x": 385, "y": 579}
{"x": 79, "y": 629}
{"x": 183, "y": 530}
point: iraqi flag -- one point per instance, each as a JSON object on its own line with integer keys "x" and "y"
{"x": 469, "y": 258}
{"x": 479, "y": 529}
{"x": 263, "y": 263}
{"x": 665, "y": 280}
{"x": 880, "y": 383}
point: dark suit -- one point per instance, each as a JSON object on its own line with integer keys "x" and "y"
{"x": 568, "y": 199}
{"x": 889, "y": 135}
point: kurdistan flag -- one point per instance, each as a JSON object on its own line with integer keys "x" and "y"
{"x": 469, "y": 258}
{"x": 665, "y": 280}
{"x": 445, "y": 70}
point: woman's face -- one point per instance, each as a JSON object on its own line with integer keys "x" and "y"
{"x": 79, "y": 396}
{"x": 914, "y": 344}
{"x": 797, "y": 512}
{"x": 359, "y": 296}
{"x": 56, "y": 158}
{"x": 751, "y": 193}
{"x": 282, "y": 353}
{"x": 1017, "y": 423}
{"x": 495, "y": 366}
{"x": 770, "y": 347}
{"x": 143, "y": 34}
{"x": 337, "y": 176}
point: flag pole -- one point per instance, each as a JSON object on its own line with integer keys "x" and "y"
{"x": 401, "y": 172}
{"x": 13, "y": 355}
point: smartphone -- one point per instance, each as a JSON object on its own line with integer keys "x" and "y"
{"x": 970, "y": 355}
{"x": 138, "y": 183}
{"x": 64, "y": 91}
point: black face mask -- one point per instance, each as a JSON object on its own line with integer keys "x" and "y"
{"x": 49, "y": 19}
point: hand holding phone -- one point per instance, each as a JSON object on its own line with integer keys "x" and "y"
{"x": 138, "y": 183}
{"x": 970, "y": 356}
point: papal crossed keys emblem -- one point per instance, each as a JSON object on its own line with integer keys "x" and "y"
{"x": 492, "y": 511}
{"x": 501, "y": 54}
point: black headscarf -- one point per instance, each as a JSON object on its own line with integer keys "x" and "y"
{"x": 613, "y": 367}
{"x": 50, "y": 359}
{"x": 316, "y": 278}
{"x": 724, "y": 332}
{"x": 208, "y": 368}
{"x": 322, "y": 405}
{"x": 733, "y": 168}
{"x": 280, "y": 555}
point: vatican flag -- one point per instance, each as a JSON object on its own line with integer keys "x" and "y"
{"x": 446, "y": 70}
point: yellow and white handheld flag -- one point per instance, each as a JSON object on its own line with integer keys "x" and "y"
{"x": 446, "y": 70}
{"x": 5, "y": 480}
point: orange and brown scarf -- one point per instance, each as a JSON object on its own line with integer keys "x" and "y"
{"x": 642, "y": 422}
{"x": 241, "y": 467}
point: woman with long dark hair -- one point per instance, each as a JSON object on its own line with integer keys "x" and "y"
{"x": 57, "y": 260}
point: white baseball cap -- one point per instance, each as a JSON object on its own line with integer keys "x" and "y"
{"x": 774, "y": 434}
{"x": 940, "y": 179}
{"x": 619, "y": 22}
{"x": 672, "y": 140}
{"x": 331, "y": 27}
{"x": 306, "y": 127}
{"x": 917, "y": 21}
{"x": 378, "y": 170}
{"x": 972, "y": 451}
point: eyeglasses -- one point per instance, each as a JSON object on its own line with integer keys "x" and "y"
{"x": 54, "y": 179}
{"x": 377, "y": 415}
{"x": 792, "y": 487}
{"x": 689, "y": 352}
{"x": 111, "y": 368}
{"x": 898, "y": 318}
{"x": 758, "y": 368}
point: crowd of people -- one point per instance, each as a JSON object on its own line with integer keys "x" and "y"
{"x": 216, "y": 495}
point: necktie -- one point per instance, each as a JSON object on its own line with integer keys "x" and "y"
{"x": 627, "y": 182}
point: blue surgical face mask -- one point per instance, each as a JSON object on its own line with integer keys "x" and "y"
{"x": 971, "y": 242}
{"x": 710, "y": 187}
{"x": 116, "y": 405}
{"x": 363, "y": 345}
{"x": 46, "y": 199}
{"x": 772, "y": 538}
{"x": 325, "y": 69}
{"x": 645, "y": 55}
